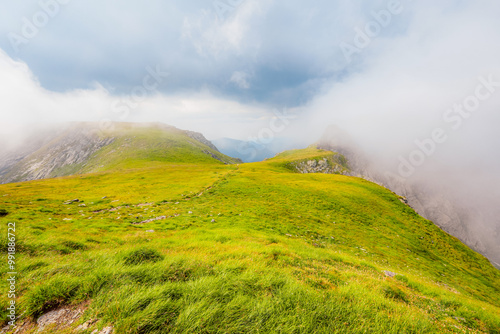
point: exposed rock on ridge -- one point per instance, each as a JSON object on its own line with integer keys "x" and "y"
{"x": 201, "y": 138}
{"x": 60, "y": 156}
{"x": 335, "y": 164}
{"x": 69, "y": 149}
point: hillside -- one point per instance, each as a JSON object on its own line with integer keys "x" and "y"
{"x": 84, "y": 147}
{"x": 268, "y": 247}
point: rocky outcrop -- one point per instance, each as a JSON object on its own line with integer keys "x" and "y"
{"x": 323, "y": 165}
{"x": 66, "y": 319}
{"x": 204, "y": 141}
{"x": 331, "y": 164}
{"x": 62, "y": 155}
{"x": 75, "y": 148}
{"x": 201, "y": 138}
{"x": 315, "y": 166}
{"x": 26, "y": 145}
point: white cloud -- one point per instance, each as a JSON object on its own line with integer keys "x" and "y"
{"x": 240, "y": 78}
{"x": 216, "y": 38}
{"x": 409, "y": 81}
{"x": 402, "y": 91}
{"x": 24, "y": 101}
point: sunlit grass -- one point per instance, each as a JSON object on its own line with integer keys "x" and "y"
{"x": 249, "y": 248}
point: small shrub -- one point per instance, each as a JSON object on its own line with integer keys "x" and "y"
{"x": 93, "y": 240}
{"x": 223, "y": 239}
{"x": 142, "y": 255}
{"x": 402, "y": 278}
{"x": 395, "y": 293}
{"x": 272, "y": 241}
{"x": 3, "y": 212}
{"x": 179, "y": 271}
{"x": 450, "y": 303}
{"x": 74, "y": 245}
{"x": 275, "y": 254}
{"x": 413, "y": 285}
{"x": 63, "y": 250}
{"x": 50, "y": 295}
{"x": 46, "y": 210}
{"x": 35, "y": 266}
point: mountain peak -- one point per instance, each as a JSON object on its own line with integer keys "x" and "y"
{"x": 83, "y": 147}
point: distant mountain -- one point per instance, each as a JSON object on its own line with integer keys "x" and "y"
{"x": 252, "y": 151}
{"x": 83, "y": 147}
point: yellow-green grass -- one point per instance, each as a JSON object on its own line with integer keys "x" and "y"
{"x": 135, "y": 147}
{"x": 249, "y": 248}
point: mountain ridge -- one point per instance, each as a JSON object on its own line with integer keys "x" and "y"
{"x": 72, "y": 148}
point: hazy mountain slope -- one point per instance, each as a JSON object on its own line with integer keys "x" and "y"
{"x": 83, "y": 148}
{"x": 429, "y": 200}
{"x": 261, "y": 247}
{"x": 63, "y": 154}
{"x": 13, "y": 150}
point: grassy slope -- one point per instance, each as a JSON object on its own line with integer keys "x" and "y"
{"x": 248, "y": 248}
{"x": 136, "y": 147}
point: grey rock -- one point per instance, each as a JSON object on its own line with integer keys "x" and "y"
{"x": 60, "y": 318}
{"x": 86, "y": 325}
{"x": 106, "y": 330}
{"x": 150, "y": 220}
{"x": 200, "y": 138}
{"x": 327, "y": 165}
{"x": 51, "y": 154}
{"x": 72, "y": 201}
{"x": 389, "y": 273}
{"x": 51, "y": 317}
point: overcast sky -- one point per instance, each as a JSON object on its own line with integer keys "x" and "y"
{"x": 384, "y": 68}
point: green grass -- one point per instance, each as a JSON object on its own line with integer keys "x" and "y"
{"x": 137, "y": 147}
{"x": 252, "y": 248}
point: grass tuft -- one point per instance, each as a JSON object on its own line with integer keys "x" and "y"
{"x": 142, "y": 255}
{"x": 395, "y": 293}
